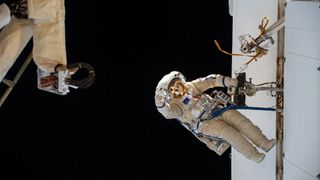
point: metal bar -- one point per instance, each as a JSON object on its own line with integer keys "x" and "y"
{"x": 8, "y": 82}
{"x": 275, "y": 27}
{"x": 15, "y": 79}
{"x": 307, "y": 0}
{"x": 275, "y": 89}
{"x": 279, "y": 97}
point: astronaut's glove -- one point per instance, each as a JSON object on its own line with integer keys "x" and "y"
{"x": 159, "y": 100}
{"x": 229, "y": 82}
{"x": 223, "y": 147}
{"x": 71, "y": 70}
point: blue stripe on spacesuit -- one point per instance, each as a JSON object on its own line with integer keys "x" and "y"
{"x": 199, "y": 119}
{"x": 223, "y": 83}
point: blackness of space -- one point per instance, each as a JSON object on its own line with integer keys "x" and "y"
{"x": 112, "y": 130}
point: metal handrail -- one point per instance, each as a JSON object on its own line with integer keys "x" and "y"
{"x": 12, "y": 83}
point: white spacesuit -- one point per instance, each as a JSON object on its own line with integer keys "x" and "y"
{"x": 44, "y": 20}
{"x": 45, "y": 23}
{"x": 4, "y": 15}
{"x": 177, "y": 99}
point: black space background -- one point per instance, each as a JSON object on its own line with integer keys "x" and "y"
{"x": 112, "y": 130}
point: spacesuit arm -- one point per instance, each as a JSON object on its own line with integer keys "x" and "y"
{"x": 211, "y": 81}
{"x": 4, "y": 15}
{"x": 168, "y": 110}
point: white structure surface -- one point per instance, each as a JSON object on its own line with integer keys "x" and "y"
{"x": 302, "y": 86}
{"x": 247, "y": 16}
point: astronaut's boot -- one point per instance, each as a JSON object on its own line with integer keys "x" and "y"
{"x": 269, "y": 145}
{"x": 257, "y": 157}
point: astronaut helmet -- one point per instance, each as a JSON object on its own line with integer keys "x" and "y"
{"x": 172, "y": 86}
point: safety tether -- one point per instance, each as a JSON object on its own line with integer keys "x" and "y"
{"x": 85, "y": 82}
{"x": 233, "y": 106}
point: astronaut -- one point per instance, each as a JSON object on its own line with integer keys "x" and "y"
{"x": 175, "y": 98}
{"x": 44, "y": 21}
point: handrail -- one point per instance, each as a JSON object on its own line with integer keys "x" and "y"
{"x": 12, "y": 83}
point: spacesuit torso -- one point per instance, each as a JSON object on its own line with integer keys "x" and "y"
{"x": 194, "y": 108}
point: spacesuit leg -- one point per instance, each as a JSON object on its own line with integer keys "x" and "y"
{"x": 13, "y": 39}
{"x": 49, "y": 48}
{"x": 248, "y": 129}
{"x": 218, "y": 128}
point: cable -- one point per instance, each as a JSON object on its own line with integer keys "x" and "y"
{"x": 85, "y": 82}
{"x": 230, "y": 54}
